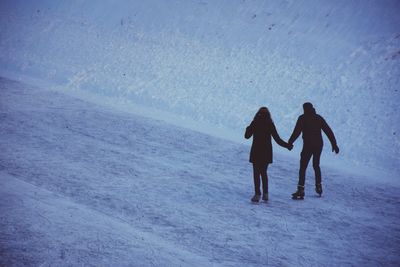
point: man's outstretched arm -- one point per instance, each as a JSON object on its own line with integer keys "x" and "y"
{"x": 297, "y": 131}
{"x": 328, "y": 131}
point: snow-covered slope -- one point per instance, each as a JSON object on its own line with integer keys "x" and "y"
{"x": 217, "y": 61}
{"x": 83, "y": 185}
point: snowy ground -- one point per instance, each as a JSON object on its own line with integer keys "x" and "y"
{"x": 216, "y": 62}
{"x": 86, "y": 185}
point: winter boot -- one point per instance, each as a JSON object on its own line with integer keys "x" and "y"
{"x": 318, "y": 189}
{"x": 299, "y": 194}
{"x": 256, "y": 198}
{"x": 265, "y": 197}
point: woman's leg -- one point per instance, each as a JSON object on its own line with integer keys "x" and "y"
{"x": 264, "y": 177}
{"x": 256, "y": 177}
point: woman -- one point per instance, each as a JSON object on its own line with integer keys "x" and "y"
{"x": 262, "y": 128}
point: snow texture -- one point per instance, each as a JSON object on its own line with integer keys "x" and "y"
{"x": 85, "y": 185}
{"x": 86, "y": 180}
{"x": 216, "y": 62}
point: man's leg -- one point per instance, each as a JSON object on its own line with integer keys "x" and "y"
{"x": 317, "y": 169}
{"x": 305, "y": 157}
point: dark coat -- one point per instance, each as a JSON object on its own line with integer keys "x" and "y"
{"x": 261, "y": 149}
{"x": 311, "y": 124}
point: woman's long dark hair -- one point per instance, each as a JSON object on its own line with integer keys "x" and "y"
{"x": 263, "y": 114}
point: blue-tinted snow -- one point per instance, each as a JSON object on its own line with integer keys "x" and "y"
{"x": 216, "y": 62}
{"x": 81, "y": 185}
{"x": 84, "y": 184}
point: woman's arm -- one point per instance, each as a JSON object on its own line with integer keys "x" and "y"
{"x": 277, "y": 138}
{"x": 249, "y": 130}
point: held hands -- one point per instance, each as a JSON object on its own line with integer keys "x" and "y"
{"x": 335, "y": 149}
{"x": 289, "y": 147}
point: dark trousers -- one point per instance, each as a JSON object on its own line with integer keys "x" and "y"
{"x": 305, "y": 156}
{"x": 260, "y": 170}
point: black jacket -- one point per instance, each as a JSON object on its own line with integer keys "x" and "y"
{"x": 261, "y": 149}
{"x": 311, "y": 124}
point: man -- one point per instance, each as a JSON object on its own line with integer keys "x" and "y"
{"x": 311, "y": 124}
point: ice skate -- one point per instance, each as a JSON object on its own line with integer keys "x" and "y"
{"x": 299, "y": 194}
{"x": 318, "y": 189}
{"x": 265, "y": 197}
{"x": 256, "y": 198}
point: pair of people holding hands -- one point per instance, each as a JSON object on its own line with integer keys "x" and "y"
{"x": 262, "y": 128}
